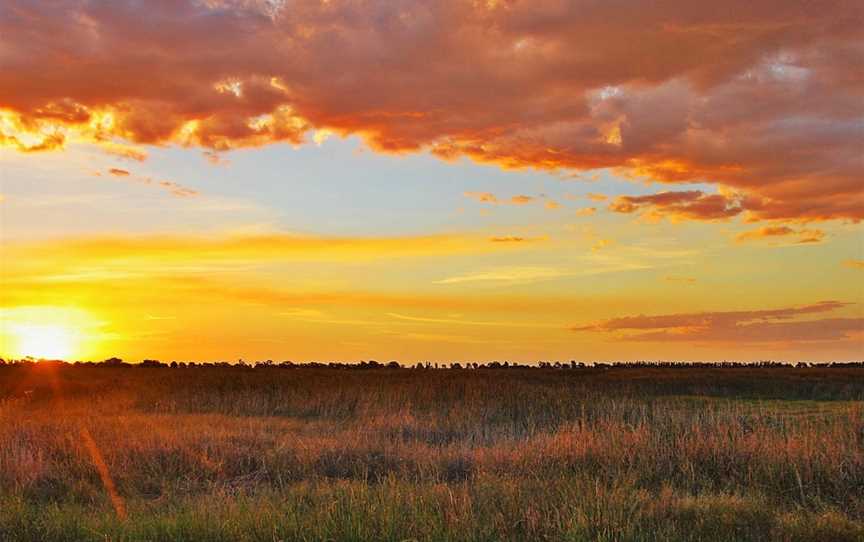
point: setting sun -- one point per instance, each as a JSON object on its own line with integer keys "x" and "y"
{"x": 45, "y": 341}
{"x": 47, "y": 332}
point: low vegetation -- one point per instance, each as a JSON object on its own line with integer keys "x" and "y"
{"x": 642, "y": 452}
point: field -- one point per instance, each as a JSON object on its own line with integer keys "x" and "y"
{"x": 215, "y": 453}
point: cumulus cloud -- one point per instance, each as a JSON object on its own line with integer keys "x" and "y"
{"x": 769, "y": 325}
{"x": 760, "y": 98}
{"x": 586, "y": 211}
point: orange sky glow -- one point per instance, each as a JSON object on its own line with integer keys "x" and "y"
{"x": 455, "y": 180}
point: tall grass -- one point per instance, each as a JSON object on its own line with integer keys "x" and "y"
{"x": 320, "y": 454}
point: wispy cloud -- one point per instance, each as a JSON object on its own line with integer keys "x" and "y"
{"x": 680, "y": 279}
{"x": 516, "y": 239}
{"x": 766, "y": 325}
{"x": 508, "y": 275}
{"x": 163, "y": 250}
{"x": 489, "y": 197}
{"x": 804, "y": 236}
{"x": 459, "y": 321}
{"x": 173, "y": 188}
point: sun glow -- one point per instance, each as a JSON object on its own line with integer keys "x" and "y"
{"x": 45, "y": 341}
{"x": 43, "y": 332}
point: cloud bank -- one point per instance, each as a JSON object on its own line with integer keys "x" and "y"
{"x": 762, "y": 98}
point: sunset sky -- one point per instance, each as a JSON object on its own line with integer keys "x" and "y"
{"x": 444, "y": 181}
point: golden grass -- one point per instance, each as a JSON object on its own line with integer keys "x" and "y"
{"x": 321, "y": 454}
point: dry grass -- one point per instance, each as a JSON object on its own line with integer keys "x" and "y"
{"x": 320, "y": 454}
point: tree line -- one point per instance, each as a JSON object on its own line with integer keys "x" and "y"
{"x": 454, "y": 365}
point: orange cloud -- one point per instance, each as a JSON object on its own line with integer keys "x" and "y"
{"x": 123, "y": 151}
{"x": 482, "y": 197}
{"x": 488, "y": 197}
{"x": 601, "y": 244}
{"x": 805, "y": 236}
{"x": 773, "y": 112}
{"x": 771, "y": 325}
{"x": 684, "y": 205}
{"x": 854, "y": 264}
{"x": 586, "y": 211}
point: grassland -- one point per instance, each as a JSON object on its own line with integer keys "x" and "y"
{"x": 103, "y": 453}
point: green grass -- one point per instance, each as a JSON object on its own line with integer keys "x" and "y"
{"x": 320, "y": 454}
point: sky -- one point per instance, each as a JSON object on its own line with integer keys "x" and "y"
{"x": 446, "y": 181}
